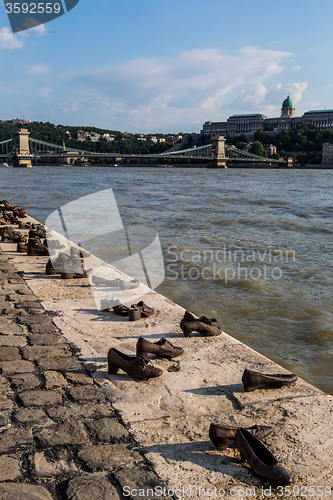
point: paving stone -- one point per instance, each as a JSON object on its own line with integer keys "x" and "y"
{"x": 47, "y": 328}
{"x": 54, "y": 379}
{"x": 4, "y": 388}
{"x": 24, "y": 491}
{"x": 32, "y": 310}
{"x": 139, "y": 479}
{"x": 68, "y": 432}
{"x": 5, "y": 265}
{"x": 9, "y": 327}
{"x": 20, "y": 290}
{"x": 13, "y": 437}
{"x": 108, "y": 429}
{"x": 10, "y": 297}
{"x": 76, "y": 411}
{"x": 5, "y": 304}
{"x": 26, "y": 416}
{"x": 5, "y": 403}
{"x": 109, "y": 456}
{"x": 84, "y": 393}
{"x": 9, "y": 354}
{"x": 10, "y": 367}
{"x": 24, "y": 381}
{"x": 91, "y": 487}
{"x": 4, "y": 384}
{"x": 29, "y": 303}
{"x": 32, "y": 353}
{"x": 10, "y": 311}
{"x": 15, "y": 341}
{"x": 37, "y": 318}
{"x": 79, "y": 377}
{"x": 45, "y": 338}
{"x": 4, "y": 420}
{"x": 9, "y": 468}
{"x": 40, "y": 398}
{"x": 15, "y": 279}
{"x": 46, "y": 468}
{"x": 60, "y": 364}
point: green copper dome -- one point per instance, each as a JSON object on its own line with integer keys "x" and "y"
{"x": 287, "y": 103}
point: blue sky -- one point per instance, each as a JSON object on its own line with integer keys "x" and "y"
{"x": 151, "y": 66}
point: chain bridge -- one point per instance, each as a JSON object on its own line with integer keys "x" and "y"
{"x": 22, "y": 149}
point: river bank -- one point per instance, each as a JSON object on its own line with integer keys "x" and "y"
{"x": 166, "y": 419}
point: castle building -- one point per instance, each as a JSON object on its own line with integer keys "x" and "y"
{"x": 248, "y": 124}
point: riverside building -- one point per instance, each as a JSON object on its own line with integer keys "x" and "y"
{"x": 248, "y": 124}
{"x": 327, "y": 158}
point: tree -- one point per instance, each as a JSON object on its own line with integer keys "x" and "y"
{"x": 257, "y": 149}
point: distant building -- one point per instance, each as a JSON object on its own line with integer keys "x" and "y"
{"x": 248, "y": 124}
{"x": 271, "y": 150}
{"x": 327, "y": 158}
{"x": 17, "y": 121}
{"x": 94, "y": 137}
{"x": 81, "y": 136}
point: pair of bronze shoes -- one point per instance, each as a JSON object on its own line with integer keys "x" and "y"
{"x": 202, "y": 325}
{"x": 68, "y": 266}
{"x": 139, "y": 366}
{"x": 135, "y": 312}
{"x": 251, "y": 380}
{"x": 252, "y": 450}
{"x": 116, "y": 283}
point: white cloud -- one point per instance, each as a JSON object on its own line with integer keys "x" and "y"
{"x": 37, "y": 69}
{"x": 267, "y": 101}
{"x": 166, "y": 94}
{"x": 45, "y": 91}
{"x": 295, "y": 90}
{"x": 191, "y": 87}
{"x": 38, "y": 30}
{"x": 8, "y": 40}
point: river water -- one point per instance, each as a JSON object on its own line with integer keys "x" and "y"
{"x": 250, "y": 247}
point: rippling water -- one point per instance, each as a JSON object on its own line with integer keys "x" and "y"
{"x": 253, "y": 248}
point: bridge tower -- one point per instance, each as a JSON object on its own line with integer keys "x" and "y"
{"x": 218, "y": 158}
{"x": 22, "y": 156}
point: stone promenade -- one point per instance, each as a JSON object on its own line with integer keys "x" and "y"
{"x": 60, "y": 436}
{"x": 69, "y": 430}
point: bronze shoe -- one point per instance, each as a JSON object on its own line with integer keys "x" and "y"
{"x": 136, "y": 367}
{"x": 162, "y": 348}
{"x": 25, "y": 225}
{"x": 8, "y": 234}
{"x": 134, "y": 314}
{"x": 36, "y": 247}
{"x": 121, "y": 310}
{"x": 66, "y": 264}
{"x": 22, "y": 247}
{"x": 262, "y": 462}
{"x": 252, "y": 379}
{"x": 146, "y": 311}
{"x": 69, "y": 276}
{"x": 49, "y": 269}
{"x": 202, "y": 325}
{"x": 220, "y": 434}
{"x": 38, "y": 232}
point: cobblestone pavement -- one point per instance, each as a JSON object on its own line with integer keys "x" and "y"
{"x": 60, "y": 437}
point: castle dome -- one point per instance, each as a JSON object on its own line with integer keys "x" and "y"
{"x": 288, "y": 103}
